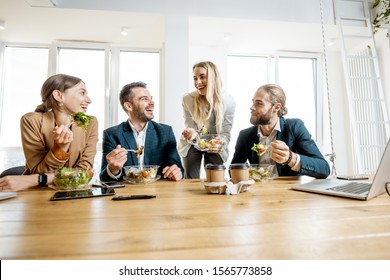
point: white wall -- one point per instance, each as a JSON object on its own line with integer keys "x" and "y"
{"x": 175, "y": 75}
{"x": 337, "y": 118}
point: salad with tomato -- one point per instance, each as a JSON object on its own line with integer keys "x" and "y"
{"x": 211, "y": 143}
{"x": 260, "y": 148}
{"x": 137, "y": 175}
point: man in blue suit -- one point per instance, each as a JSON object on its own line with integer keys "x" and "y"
{"x": 158, "y": 140}
{"x": 288, "y": 143}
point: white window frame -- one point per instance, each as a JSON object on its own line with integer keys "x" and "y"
{"x": 319, "y": 96}
{"x": 53, "y": 68}
{"x": 110, "y": 72}
{"x": 3, "y": 46}
{"x": 115, "y": 52}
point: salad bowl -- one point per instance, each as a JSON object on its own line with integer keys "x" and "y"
{"x": 67, "y": 178}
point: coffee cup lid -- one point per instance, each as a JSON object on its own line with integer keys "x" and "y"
{"x": 215, "y": 166}
{"x": 239, "y": 166}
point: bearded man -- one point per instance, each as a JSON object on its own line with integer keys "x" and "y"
{"x": 273, "y": 139}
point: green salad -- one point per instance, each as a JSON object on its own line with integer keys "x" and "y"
{"x": 81, "y": 119}
{"x": 70, "y": 178}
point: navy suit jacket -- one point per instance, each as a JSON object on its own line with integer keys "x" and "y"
{"x": 160, "y": 146}
{"x": 298, "y": 139}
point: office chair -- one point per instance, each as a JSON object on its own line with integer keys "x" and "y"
{"x": 16, "y": 170}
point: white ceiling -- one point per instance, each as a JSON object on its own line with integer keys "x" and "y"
{"x": 44, "y": 25}
{"x": 252, "y": 29}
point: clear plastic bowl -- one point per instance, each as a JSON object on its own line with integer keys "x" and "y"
{"x": 261, "y": 172}
{"x": 67, "y": 178}
{"x": 136, "y": 174}
{"x": 211, "y": 143}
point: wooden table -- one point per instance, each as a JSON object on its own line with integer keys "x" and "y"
{"x": 270, "y": 221}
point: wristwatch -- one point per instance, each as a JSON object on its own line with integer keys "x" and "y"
{"x": 42, "y": 179}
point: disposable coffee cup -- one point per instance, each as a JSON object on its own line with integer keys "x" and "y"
{"x": 215, "y": 172}
{"x": 239, "y": 172}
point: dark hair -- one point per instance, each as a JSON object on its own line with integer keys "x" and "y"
{"x": 59, "y": 82}
{"x": 126, "y": 94}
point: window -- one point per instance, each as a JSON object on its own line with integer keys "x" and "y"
{"x": 90, "y": 66}
{"x": 243, "y": 85}
{"x": 297, "y": 75}
{"x": 96, "y": 65}
{"x": 144, "y": 67}
{"x": 103, "y": 69}
{"x": 25, "y": 70}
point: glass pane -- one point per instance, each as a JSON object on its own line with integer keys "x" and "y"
{"x": 89, "y": 65}
{"x": 25, "y": 72}
{"x": 245, "y": 74}
{"x": 297, "y": 78}
{"x": 144, "y": 67}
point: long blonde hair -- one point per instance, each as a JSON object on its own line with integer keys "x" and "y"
{"x": 213, "y": 98}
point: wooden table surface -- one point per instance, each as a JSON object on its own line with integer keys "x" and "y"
{"x": 270, "y": 221}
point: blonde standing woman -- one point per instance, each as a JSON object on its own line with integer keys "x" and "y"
{"x": 206, "y": 107}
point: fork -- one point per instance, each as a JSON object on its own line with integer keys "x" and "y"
{"x": 69, "y": 124}
{"x": 136, "y": 151}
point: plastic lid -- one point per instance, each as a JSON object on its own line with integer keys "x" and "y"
{"x": 215, "y": 166}
{"x": 239, "y": 166}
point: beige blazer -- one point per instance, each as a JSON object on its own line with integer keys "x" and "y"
{"x": 229, "y": 107}
{"x": 37, "y": 140}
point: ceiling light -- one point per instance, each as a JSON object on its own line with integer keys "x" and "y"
{"x": 124, "y": 30}
{"x": 2, "y": 24}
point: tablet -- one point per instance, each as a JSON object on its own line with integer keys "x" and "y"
{"x": 93, "y": 192}
{"x": 6, "y": 195}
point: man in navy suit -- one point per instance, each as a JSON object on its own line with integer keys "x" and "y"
{"x": 289, "y": 144}
{"x": 138, "y": 131}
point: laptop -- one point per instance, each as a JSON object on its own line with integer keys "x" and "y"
{"x": 353, "y": 189}
{"x": 5, "y": 195}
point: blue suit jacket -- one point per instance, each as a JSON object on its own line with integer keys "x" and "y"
{"x": 160, "y": 146}
{"x": 298, "y": 139}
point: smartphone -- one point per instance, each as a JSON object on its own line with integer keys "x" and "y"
{"x": 353, "y": 177}
{"x": 93, "y": 192}
{"x": 111, "y": 184}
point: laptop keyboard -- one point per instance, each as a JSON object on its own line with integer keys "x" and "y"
{"x": 353, "y": 187}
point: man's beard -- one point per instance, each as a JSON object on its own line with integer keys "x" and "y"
{"x": 263, "y": 119}
{"x": 142, "y": 116}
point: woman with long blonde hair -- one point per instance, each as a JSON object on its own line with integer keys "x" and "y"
{"x": 206, "y": 109}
